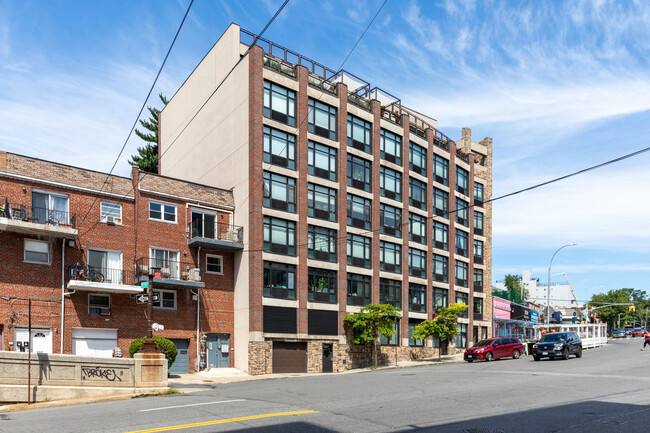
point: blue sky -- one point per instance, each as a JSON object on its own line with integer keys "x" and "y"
{"x": 559, "y": 86}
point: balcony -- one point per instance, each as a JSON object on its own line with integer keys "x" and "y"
{"x": 102, "y": 280}
{"x": 217, "y": 236}
{"x": 20, "y": 218}
{"x": 168, "y": 273}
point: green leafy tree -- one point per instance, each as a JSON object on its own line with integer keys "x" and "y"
{"x": 610, "y": 315}
{"x": 164, "y": 345}
{"x": 513, "y": 290}
{"x": 373, "y": 320}
{"x": 147, "y": 157}
{"x": 442, "y": 327}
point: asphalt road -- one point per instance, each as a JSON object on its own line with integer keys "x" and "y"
{"x": 608, "y": 390}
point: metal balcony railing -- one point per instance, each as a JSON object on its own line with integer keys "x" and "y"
{"x": 321, "y": 83}
{"x": 217, "y": 231}
{"x": 37, "y": 215}
{"x": 101, "y": 274}
{"x": 167, "y": 269}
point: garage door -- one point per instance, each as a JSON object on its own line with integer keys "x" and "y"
{"x": 182, "y": 362}
{"x": 41, "y": 339}
{"x": 94, "y": 342}
{"x": 289, "y": 357}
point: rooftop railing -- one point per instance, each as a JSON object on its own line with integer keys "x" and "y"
{"x": 321, "y": 83}
{"x": 37, "y": 215}
{"x": 280, "y": 66}
{"x": 359, "y": 101}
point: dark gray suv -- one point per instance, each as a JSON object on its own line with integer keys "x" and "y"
{"x": 558, "y": 345}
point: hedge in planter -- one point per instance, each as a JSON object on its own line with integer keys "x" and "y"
{"x": 162, "y": 344}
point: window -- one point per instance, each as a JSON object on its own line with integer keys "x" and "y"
{"x": 279, "y": 148}
{"x": 358, "y": 250}
{"x": 279, "y": 103}
{"x": 279, "y": 236}
{"x": 359, "y": 173}
{"x": 461, "y": 243}
{"x": 166, "y": 299}
{"x": 390, "y": 220}
{"x": 417, "y": 297}
{"x": 321, "y": 243}
{"x": 478, "y": 251}
{"x": 99, "y": 304}
{"x": 390, "y": 147}
{"x": 412, "y": 341}
{"x": 417, "y": 228}
{"x": 440, "y": 299}
{"x": 462, "y": 181}
{"x": 418, "y": 159}
{"x": 49, "y": 208}
{"x": 321, "y": 202}
{"x": 478, "y": 280}
{"x": 321, "y": 286}
{"x": 440, "y": 268}
{"x": 478, "y": 194}
{"x": 461, "y": 337}
{"x": 203, "y": 225}
{"x": 279, "y": 280}
{"x": 441, "y": 235}
{"x": 461, "y": 273}
{"x": 214, "y": 264}
{"x": 358, "y": 290}
{"x": 359, "y": 134}
{"x": 417, "y": 263}
{"x": 462, "y": 210}
{"x": 440, "y": 202}
{"x": 162, "y": 212}
{"x": 478, "y": 308}
{"x": 441, "y": 169}
{"x": 279, "y": 192}
{"x": 484, "y": 331}
{"x": 321, "y": 161}
{"x": 390, "y": 183}
{"x": 478, "y": 223}
{"x": 462, "y": 298}
{"x": 107, "y": 263}
{"x": 393, "y": 340}
{"x": 322, "y": 119}
{"x": 390, "y": 257}
{"x": 417, "y": 194}
{"x": 110, "y": 212}
{"x": 390, "y": 292}
{"x": 359, "y": 212}
{"x": 37, "y": 251}
{"x": 164, "y": 262}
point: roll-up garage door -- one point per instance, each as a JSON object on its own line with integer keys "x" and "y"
{"x": 94, "y": 342}
{"x": 289, "y": 357}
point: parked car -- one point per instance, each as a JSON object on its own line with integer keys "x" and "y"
{"x": 638, "y": 332}
{"x": 618, "y": 333}
{"x": 494, "y": 348}
{"x": 629, "y": 330}
{"x": 558, "y": 345}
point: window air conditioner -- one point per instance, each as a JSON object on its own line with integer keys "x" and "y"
{"x": 111, "y": 220}
{"x": 105, "y": 311}
{"x": 195, "y": 274}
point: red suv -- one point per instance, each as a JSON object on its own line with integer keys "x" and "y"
{"x": 494, "y": 348}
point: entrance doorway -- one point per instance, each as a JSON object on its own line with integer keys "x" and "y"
{"x": 328, "y": 355}
{"x": 217, "y": 349}
{"x": 182, "y": 362}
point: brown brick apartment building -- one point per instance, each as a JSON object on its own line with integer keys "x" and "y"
{"x": 346, "y": 198}
{"x": 79, "y": 243}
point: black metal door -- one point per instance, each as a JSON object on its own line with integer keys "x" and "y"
{"x": 328, "y": 352}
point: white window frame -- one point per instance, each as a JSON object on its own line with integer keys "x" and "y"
{"x": 162, "y": 212}
{"x": 104, "y": 250}
{"x": 49, "y": 252}
{"x": 220, "y": 262}
{"x": 109, "y": 304}
{"x": 178, "y": 259}
{"x": 103, "y": 218}
{"x": 160, "y": 300}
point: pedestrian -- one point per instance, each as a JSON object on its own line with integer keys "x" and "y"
{"x": 646, "y": 340}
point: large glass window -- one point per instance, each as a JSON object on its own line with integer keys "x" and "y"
{"x": 417, "y": 194}
{"x": 321, "y": 285}
{"x": 417, "y": 263}
{"x": 359, "y": 212}
{"x": 107, "y": 263}
{"x": 279, "y": 148}
{"x": 478, "y": 251}
{"x": 390, "y": 183}
{"x": 321, "y": 243}
{"x": 441, "y": 169}
{"x": 461, "y": 273}
{"x": 462, "y": 298}
{"x": 322, "y": 119}
{"x": 462, "y": 180}
{"x": 440, "y": 299}
{"x": 390, "y": 257}
{"x": 390, "y": 292}
{"x": 461, "y": 243}
{"x": 279, "y": 280}
{"x": 164, "y": 262}
{"x": 461, "y": 337}
{"x": 279, "y": 192}
{"x": 279, "y": 103}
{"x": 478, "y": 280}
{"x": 358, "y": 250}
{"x": 359, "y": 175}
{"x": 390, "y": 147}
{"x": 478, "y": 194}
{"x": 321, "y": 161}
{"x": 418, "y": 228}
{"x": 441, "y": 235}
{"x": 390, "y": 220}
{"x": 462, "y": 212}
{"x": 440, "y": 268}
{"x": 359, "y": 134}
{"x": 418, "y": 159}
{"x": 358, "y": 290}
{"x": 321, "y": 202}
{"x": 50, "y": 208}
{"x": 478, "y": 223}
{"x": 417, "y": 297}
{"x": 478, "y": 308}
{"x": 279, "y": 236}
{"x": 440, "y": 202}
{"x": 412, "y": 341}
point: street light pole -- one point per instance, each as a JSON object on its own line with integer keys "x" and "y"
{"x": 548, "y": 292}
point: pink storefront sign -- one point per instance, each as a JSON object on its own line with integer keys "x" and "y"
{"x": 501, "y": 308}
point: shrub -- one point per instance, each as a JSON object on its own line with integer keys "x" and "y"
{"x": 162, "y": 344}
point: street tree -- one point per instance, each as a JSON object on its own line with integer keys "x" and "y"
{"x": 611, "y": 314}
{"x": 147, "y": 157}
{"x": 367, "y": 325}
{"x": 442, "y": 327}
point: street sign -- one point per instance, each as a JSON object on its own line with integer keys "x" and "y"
{"x": 144, "y": 298}
{"x": 144, "y": 285}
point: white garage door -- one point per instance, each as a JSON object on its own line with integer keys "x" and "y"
{"x": 94, "y": 342}
{"x": 41, "y": 339}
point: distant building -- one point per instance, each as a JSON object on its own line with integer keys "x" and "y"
{"x": 560, "y": 293}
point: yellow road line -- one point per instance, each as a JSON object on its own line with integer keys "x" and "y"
{"x": 222, "y": 421}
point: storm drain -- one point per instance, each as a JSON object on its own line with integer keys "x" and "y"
{"x": 484, "y": 430}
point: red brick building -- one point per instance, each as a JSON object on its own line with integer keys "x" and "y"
{"x": 79, "y": 243}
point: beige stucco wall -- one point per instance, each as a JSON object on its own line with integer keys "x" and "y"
{"x": 204, "y": 139}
